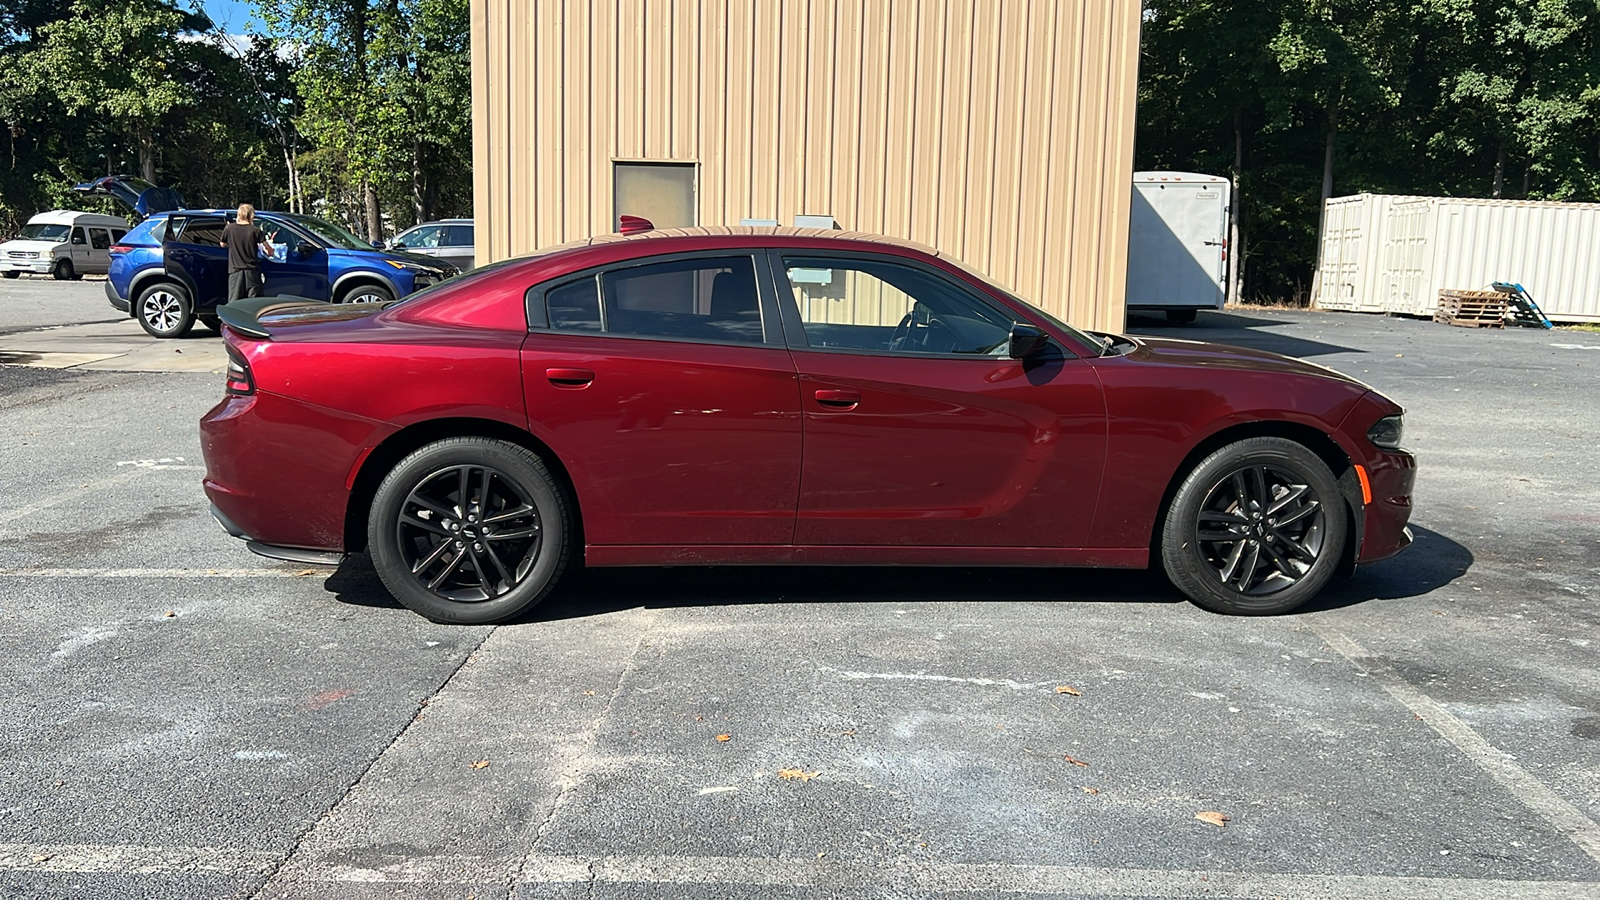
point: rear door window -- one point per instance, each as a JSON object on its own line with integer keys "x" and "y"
{"x": 703, "y": 299}
{"x": 457, "y": 236}
{"x": 99, "y": 238}
{"x": 206, "y": 231}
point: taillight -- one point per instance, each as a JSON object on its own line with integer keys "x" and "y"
{"x": 121, "y": 248}
{"x": 240, "y": 382}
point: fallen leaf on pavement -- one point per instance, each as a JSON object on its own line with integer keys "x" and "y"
{"x": 724, "y": 738}
{"x": 796, "y": 775}
{"x": 1069, "y": 689}
{"x": 481, "y": 764}
{"x": 1076, "y": 762}
{"x": 304, "y": 572}
{"x": 41, "y": 857}
{"x": 1090, "y": 790}
{"x": 171, "y": 614}
{"x": 1215, "y": 818}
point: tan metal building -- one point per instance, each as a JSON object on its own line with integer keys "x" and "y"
{"x": 999, "y": 131}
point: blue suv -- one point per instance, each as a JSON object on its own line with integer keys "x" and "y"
{"x": 172, "y": 269}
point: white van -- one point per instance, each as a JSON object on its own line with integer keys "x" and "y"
{"x": 63, "y": 243}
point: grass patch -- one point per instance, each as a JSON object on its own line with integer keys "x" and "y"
{"x": 1591, "y": 327}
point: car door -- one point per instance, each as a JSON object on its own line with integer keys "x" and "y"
{"x": 194, "y": 257}
{"x": 299, "y": 265}
{"x": 78, "y": 249}
{"x": 458, "y": 247}
{"x": 666, "y": 388}
{"x": 99, "y": 260}
{"x": 918, "y": 428}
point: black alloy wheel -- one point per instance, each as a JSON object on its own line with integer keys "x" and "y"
{"x": 1257, "y": 528}
{"x": 164, "y": 311}
{"x": 469, "y": 530}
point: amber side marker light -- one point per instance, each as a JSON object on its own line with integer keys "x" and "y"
{"x": 1366, "y": 486}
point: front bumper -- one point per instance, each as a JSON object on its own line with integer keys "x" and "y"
{"x": 1390, "y": 475}
{"x": 35, "y": 266}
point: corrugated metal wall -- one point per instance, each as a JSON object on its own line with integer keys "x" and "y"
{"x": 1394, "y": 254}
{"x": 999, "y": 131}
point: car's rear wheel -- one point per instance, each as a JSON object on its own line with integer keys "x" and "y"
{"x": 210, "y": 321}
{"x": 1256, "y": 529}
{"x": 164, "y": 310}
{"x": 469, "y": 531}
{"x": 64, "y": 271}
{"x": 366, "y": 293}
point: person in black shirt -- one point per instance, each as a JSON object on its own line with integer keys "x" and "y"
{"x": 243, "y": 239}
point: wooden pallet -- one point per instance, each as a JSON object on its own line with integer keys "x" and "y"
{"x": 1471, "y": 309}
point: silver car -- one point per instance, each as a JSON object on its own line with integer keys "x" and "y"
{"x": 451, "y": 240}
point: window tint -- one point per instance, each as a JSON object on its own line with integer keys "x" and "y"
{"x": 698, "y": 299}
{"x": 118, "y": 233}
{"x": 77, "y": 236}
{"x": 99, "y": 238}
{"x": 852, "y": 304}
{"x": 202, "y": 231}
{"x": 705, "y": 299}
{"x": 575, "y": 306}
{"x": 458, "y": 236}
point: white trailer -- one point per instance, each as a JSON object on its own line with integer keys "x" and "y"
{"x": 1177, "y": 243}
{"x": 1393, "y": 254}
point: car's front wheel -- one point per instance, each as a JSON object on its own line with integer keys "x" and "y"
{"x": 366, "y": 293}
{"x": 164, "y": 310}
{"x": 12, "y": 274}
{"x": 1256, "y": 529}
{"x": 469, "y": 531}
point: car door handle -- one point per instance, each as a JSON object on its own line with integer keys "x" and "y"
{"x": 570, "y": 378}
{"x": 838, "y": 399}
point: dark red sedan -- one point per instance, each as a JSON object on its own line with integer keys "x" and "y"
{"x": 781, "y": 396}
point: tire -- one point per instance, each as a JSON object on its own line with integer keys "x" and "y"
{"x": 64, "y": 271}
{"x": 12, "y": 274}
{"x": 210, "y": 321}
{"x": 164, "y": 311}
{"x": 1180, "y": 316}
{"x": 417, "y": 516}
{"x": 1250, "y": 560}
{"x": 366, "y": 293}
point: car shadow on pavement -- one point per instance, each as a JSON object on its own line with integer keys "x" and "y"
{"x": 1432, "y": 562}
{"x": 1239, "y": 330}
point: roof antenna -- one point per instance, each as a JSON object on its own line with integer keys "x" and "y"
{"x": 635, "y": 224}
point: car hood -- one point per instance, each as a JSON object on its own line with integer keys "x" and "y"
{"x": 1206, "y": 355}
{"x": 36, "y": 246}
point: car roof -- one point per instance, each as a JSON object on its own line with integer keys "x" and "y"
{"x": 72, "y": 216}
{"x": 743, "y": 236}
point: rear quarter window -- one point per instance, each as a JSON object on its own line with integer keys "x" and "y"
{"x": 147, "y": 232}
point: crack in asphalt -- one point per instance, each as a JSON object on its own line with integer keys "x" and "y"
{"x": 350, "y": 788}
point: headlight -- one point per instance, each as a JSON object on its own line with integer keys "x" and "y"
{"x": 1386, "y": 432}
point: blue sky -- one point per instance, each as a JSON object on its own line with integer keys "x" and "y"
{"x": 233, "y": 15}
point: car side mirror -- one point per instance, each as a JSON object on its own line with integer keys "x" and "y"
{"x": 305, "y": 251}
{"x": 377, "y": 245}
{"x": 1026, "y": 340}
{"x": 398, "y": 245}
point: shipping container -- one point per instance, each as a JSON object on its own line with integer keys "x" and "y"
{"x": 1177, "y": 243}
{"x": 1393, "y": 254}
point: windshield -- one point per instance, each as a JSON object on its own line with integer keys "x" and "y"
{"x": 44, "y": 232}
{"x": 329, "y": 232}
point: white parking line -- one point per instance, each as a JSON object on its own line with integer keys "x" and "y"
{"x": 163, "y": 573}
{"x": 824, "y": 874}
{"x": 1562, "y": 816}
{"x": 135, "y": 860}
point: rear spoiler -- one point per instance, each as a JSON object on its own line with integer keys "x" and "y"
{"x": 244, "y": 316}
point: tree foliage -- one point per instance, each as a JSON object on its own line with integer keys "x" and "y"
{"x": 1302, "y": 99}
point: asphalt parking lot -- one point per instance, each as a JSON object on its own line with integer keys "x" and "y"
{"x": 183, "y": 719}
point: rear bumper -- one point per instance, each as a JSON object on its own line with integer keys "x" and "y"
{"x": 116, "y": 300}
